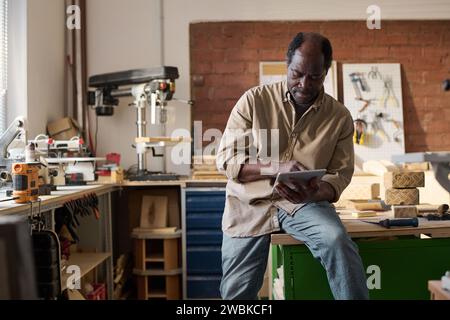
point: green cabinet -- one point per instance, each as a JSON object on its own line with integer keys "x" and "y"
{"x": 403, "y": 267}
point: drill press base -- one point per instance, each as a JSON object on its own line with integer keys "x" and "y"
{"x": 153, "y": 176}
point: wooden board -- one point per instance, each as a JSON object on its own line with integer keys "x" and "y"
{"x": 359, "y": 229}
{"x": 154, "y": 214}
{"x": 437, "y": 292}
{"x": 86, "y": 261}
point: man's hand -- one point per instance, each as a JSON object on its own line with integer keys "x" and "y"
{"x": 255, "y": 172}
{"x": 304, "y": 192}
{"x": 291, "y": 166}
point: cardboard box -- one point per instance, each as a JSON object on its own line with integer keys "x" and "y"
{"x": 404, "y": 180}
{"x": 63, "y": 129}
{"x": 402, "y": 197}
{"x": 405, "y": 211}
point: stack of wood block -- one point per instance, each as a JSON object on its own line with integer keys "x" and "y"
{"x": 204, "y": 168}
{"x": 402, "y": 193}
{"x": 157, "y": 265}
{"x": 157, "y": 252}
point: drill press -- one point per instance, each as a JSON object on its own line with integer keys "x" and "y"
{"x": 150, "y": 88}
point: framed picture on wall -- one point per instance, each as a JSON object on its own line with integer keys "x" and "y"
{"x": 274, "y": 71}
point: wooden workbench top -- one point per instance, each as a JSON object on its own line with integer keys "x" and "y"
{"x": 59, "y": 197}
{"x": 359, "y": 229}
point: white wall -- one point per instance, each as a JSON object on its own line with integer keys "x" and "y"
{"x": 17, "y": 60}
{"x": 122, "y": 35}
{"x": 36, "y": 62}
{"x": 46, "y": 27}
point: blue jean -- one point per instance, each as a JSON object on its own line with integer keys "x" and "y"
{"x": 244, "y": 260}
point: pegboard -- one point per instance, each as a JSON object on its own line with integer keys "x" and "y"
{"x": 373, "y": 93}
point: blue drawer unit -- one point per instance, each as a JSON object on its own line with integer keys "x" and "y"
{"x": 204, "y": 260}
{"x": 203, "y": 287}
{"x": 204, "y": 210}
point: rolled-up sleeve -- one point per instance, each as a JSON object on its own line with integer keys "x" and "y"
{"x": 342, "y": 164}
{"x": 234, "y": 146}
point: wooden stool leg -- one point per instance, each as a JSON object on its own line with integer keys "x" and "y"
{"x": 142, "y": 285}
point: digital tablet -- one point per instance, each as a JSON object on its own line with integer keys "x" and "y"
{"x": 301, "y": 176}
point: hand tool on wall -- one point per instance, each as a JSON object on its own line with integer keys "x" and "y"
{"x": 374, "y": 74}
{"x": 388, "y": 223}
{"x": 359, "y": 136}
{"x": 389, "y": 99}
{"x": 357, "y": 82}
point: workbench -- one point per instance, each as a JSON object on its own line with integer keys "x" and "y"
{"x": 404, "y": 258}
{"x": 95, "y": 235}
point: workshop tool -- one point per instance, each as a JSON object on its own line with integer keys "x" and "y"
{"x": 359, "y": 136}
{"x": 426, "y": 208}
{"x": 377, "y": 127}
{"x": 446, "y": 85}
{"x": 11, "y": 133}
{"x": 389, "y": 99}
{"x": 25, "y": 182}
{"x": 151, "y": 88}
{"x": 374, "y": 74}
{"x": 357, "y": 82}
{"x": 388, "y": 223}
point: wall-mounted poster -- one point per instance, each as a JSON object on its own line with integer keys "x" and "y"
{"x": 270, "y": 72}
{"x": 373, "y": 94}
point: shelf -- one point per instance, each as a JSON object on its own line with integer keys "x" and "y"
{"x": 86, "y": 261}
{"x": 157, "y": 294}
{"x": 158, "y": 257}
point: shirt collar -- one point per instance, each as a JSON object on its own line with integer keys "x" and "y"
{"x": 287, "y": 97}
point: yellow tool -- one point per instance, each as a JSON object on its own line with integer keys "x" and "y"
{"x": 360, "y": 131}
{"x": 25, "y": 182}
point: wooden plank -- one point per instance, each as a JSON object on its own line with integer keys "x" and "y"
{"x": 360, "y": 229}
{"x": 171, "y": 254}
{"x": 142, "y": 286}
{"x": 437, "y": 292}
{"x": 173, "y": 287}
{"x": 139, "y": 253}
{"x": 147, "y": 273}
{"x": 86, "y": 261}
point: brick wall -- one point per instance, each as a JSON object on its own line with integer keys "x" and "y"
{"x": 225, "y": 60}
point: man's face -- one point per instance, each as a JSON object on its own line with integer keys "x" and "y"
{"x": 306, "y": 74}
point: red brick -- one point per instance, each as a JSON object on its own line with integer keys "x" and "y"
{"x": 297, "y": 27}
{"x": 224, "y": 93}
{"x": 203, "y": 93}
{"x": 243, "y": 80}
{"x": 258, "y": 42}
{"x": 240, "y": 54}
{"x": 226, "y": 42}
{"x": 434, "y": 102}
{"x": 424, "y": 59}
{"x": 238, "y": 28}
{"x": 434, "y": 27}
{"x": 201, "y": 55}
{"x": 373, "y": 52}
{"x": 232, "y": 67}
{"x": 214, "y": 80}
{"x": 388, "y": 39}
{"x": 342, "y": 28}
{"x": 201, "y": 67}
{"x": 400, "y": 27}
{"x": 272, "y": 55}
{"x": 271, "y": 29}
{"x": 252, "y": 67}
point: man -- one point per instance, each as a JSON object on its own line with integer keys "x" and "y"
{"x": 315, "y": 132}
